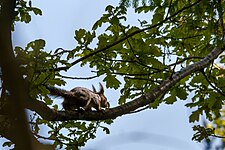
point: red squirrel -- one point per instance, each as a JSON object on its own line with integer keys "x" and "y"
{"x": 81, "y": 98}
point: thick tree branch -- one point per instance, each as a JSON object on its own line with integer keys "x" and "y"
{"x": 17, "y": 128}
{"x": 12, "y": 78}
{"x": 112, "y": 113}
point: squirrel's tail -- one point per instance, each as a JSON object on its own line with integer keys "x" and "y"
{"x": 58, "y": 92}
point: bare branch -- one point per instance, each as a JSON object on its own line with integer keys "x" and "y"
{"x": 217, "y": 136}
{"x": 79, "y": 78}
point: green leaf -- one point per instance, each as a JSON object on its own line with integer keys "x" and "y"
{"x": 109, "y": 8}
{"x": 158, "y": 15}
{"x": 123, "y": 97}
{"x": 155, "y": 104}
{"x": 103, "y": 19}
{"x": 36, "y": 128}
{"x": 37, "y": 11}
{"x": 115, "y": 21}
{"x": 48, "y": 101}
{"x": 55, "y": 107}
{"x": 106, "y": 130}
{"x": 108, "y": 121}
{"x": 37, "y": 44}
{"x": 25, "y": 17}
{"x": 79, "y": 34}
{"x": 9, "y": 144}
{"x": 215, "y": 103}
{"x": 155, "y": 50}
{"x": 181, "y": 93}
{"x": 171, "y": 99}
{"x": 195, "y": 116}
{"x": 112, "y": 81}
{"x": 144, "y": 9}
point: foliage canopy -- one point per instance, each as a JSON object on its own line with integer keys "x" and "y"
{"x": 171, "y": 57}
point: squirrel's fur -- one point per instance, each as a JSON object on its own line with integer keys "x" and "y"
{"x": 81, "y": 98}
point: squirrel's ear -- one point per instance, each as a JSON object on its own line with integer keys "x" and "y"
{"x": 94, "y": 90}
{"x": 101, "y": 88}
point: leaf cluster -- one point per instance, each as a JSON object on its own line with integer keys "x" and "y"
{"x": 202, "y": 133}
{"x": 23, "y": 10}
{"x": 134, "y": 59}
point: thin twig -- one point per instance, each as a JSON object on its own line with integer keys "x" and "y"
{"x": 138, "y": 78}
{"x": 217, "y": 136}
{"x": 79, "y": 78}
{"x": 170, "y": 5}
{"x": 214, "y": 87}
{"x": 125, "y": 38}
{"x": 184, "y": 59}
{"x": 174, "y": 67}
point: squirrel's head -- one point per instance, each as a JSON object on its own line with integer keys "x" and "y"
{"x": 104, "y": 102}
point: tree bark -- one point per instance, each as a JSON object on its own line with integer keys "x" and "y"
{"x": 112, "y": 113}
{"x": 14, "y": 125}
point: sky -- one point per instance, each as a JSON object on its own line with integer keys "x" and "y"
{"x": 166, "y": 128}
